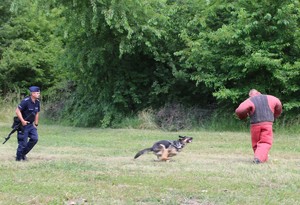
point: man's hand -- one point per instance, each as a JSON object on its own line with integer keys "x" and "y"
{"x": 24, "y": 122}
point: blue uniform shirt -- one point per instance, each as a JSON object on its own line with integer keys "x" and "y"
{"x": 27, "y": 106}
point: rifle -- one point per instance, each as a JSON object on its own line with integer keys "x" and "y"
{"x": 16, "y": 126}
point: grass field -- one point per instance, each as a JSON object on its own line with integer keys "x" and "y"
{"x": 96, "y": 166}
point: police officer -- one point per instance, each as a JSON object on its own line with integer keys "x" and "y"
{"x": 28, "y": 113}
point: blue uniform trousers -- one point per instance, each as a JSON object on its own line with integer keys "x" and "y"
{"x": 24, "y": 146}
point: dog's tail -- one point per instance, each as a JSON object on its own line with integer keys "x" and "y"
{"x": 144, "y": 151}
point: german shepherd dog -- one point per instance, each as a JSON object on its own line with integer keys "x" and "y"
{"x": 165, "y": 149}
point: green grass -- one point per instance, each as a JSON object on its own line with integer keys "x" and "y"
{"x": 95, "y": 166}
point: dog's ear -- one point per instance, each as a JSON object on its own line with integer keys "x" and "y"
{"x": 181, "y": 137}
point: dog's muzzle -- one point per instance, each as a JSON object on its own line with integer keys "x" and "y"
{"x": 189, "y": 140}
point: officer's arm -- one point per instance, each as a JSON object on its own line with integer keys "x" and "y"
{"x": 36, "y": 120}
{"x": 19, "y": 114}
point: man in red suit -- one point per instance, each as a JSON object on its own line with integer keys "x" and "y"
{"x": 262, "y": 110}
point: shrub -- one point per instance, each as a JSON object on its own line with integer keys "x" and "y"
{"x": 175, "y": 116}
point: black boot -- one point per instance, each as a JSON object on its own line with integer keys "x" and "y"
{"x": 18, "y": 158}
{"x": 256, "y": 161}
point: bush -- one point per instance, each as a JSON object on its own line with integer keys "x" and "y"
{"x": 175, "y": 117}
{"x": 8, "y": 105}
{"x": 147, "y": 119}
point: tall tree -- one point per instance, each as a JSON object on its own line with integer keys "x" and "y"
{"x": 4, "y": 18}
{"x": 30, "y": 48}
{"x": 124, "y": 56}
{"x": 244, "y": 45}
{"x": 123, "y": 53}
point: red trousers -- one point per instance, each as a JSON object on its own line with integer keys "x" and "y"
{"x": 262, "y": 139}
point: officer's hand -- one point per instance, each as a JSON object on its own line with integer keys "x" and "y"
{"x": 24, "y": 123}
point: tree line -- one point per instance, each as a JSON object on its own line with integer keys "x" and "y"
{"x": 100, "y": 60}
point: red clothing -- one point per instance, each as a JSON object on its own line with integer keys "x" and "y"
{"x": 262, "y": 109}
{"x": 262, "y": 140}
{"x": 247, "y": 107}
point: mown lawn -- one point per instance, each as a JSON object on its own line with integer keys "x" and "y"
{"x": 96, "y": 166}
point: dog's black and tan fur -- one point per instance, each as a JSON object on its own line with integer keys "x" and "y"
{"x": 165, "y": 149}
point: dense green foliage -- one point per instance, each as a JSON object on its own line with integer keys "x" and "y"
{"x": 246, "y": 44}
{"x": 121, "y": 57}
{"x": 29, "y": 48}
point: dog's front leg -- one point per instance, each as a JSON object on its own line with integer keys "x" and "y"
{"x": 165, "y": 153}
